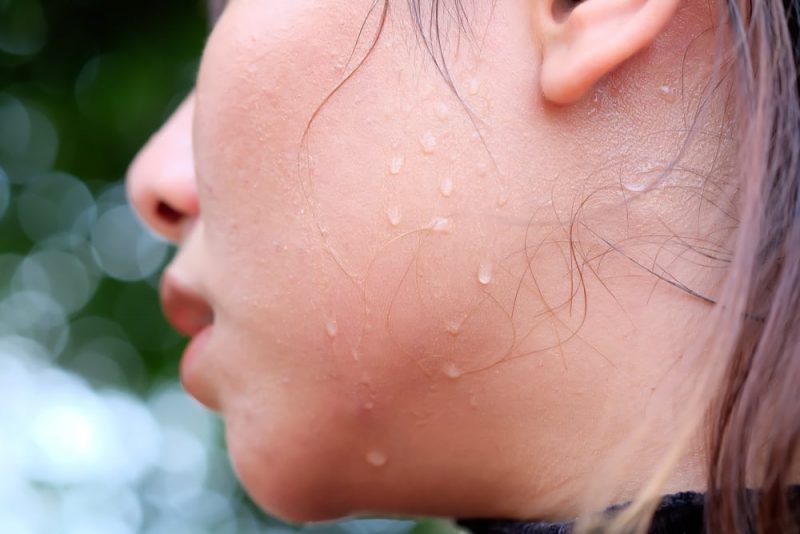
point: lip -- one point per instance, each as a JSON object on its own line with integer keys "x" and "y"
{"x": 187, "y": 311}
{"x": 191, "y": 315}
{"x": 191, "y": 354}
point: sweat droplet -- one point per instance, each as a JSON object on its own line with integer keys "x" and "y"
{"x": 377, "y": 458}
{"x": 428, "y": 142}
{"x": 451, "y": 370}
{"x": 440, "y": 224}
{"x": 442, "y": 111}
{"x": 453, "y": 327}
{"x": 396, "y": 165}
{"x": 667, "y": 93}
{"x": 395, "y": 215}
{"x": 635, "y": 187}
{"x": 331, "y": 327}
{"x": 446, "y": 187}
{"x": 502, "y": 197}
{"x": 474, "y": 86}
{"x": 485, "y": 272}
{"x": 596, "y": 102}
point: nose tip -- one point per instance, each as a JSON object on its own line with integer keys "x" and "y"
{"x": 161, "y": 180}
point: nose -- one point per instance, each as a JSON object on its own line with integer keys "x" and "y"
{"x": 161, "y": 180}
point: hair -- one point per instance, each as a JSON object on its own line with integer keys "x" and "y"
{"x": 751, "y": 364}
{"x": 758, "y": 388}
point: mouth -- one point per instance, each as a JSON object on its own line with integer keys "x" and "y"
{"x": 191, "y": 315}
{"x": 187, "y": 311}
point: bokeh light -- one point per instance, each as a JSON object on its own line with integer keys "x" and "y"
{"x": 5, "y": 192}
{"x": 22, "y": 27}
{"x": 28, "y": 139}
{"x": 124, "y": 249}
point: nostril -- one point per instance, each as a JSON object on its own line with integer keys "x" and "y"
{"x": 167, "y": 213}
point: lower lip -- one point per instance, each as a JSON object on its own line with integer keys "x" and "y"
{"x": 191, "y": 354}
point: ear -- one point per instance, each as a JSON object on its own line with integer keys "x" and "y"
{"x": 584, "y": 40}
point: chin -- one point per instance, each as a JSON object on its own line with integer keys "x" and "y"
{"x": 296, "y": 477}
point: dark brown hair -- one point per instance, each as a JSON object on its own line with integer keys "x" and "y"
{"x": 758, "y": 397}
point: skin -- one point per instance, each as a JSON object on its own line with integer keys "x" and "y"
{"x": 437, "y": 306}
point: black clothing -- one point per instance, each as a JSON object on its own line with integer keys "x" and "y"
{"x": 679, "y": 513}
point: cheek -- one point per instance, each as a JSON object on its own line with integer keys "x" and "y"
{"x": 266, "y": 69}
{"x": 335, "y": 251}
{"x": 287, "y": 465}
{"x": 355, "y": 285}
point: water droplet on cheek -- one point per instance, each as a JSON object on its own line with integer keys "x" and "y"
{"x": 597, "y": 102}
{"x": 502, "y": 197}
{"x": 667, "y": 93}
{"x": 442, "y": 111}
{"x": 377, "y": 458}
{"x": 451, "y": 370}
{"x": 474, "y": 86}
{"x": 441, "y": 225}
{"x": 453, "y": 328}
{"x": 395, "y": 215}
{"x": 446, "y": 187}
{"x": 396, "y": 164}
{"x": 331, "y": 327}
{"x": 635, "y": 187}
{"x": 428, "y": 142}
{"x": 485, "y": 272}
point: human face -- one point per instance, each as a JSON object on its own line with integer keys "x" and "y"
{"x": 405, "y": 301}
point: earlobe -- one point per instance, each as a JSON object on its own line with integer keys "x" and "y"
{"x": 583, "y": 42}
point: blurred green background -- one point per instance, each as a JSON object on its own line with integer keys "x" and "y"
{"x": 96, "y": 435}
